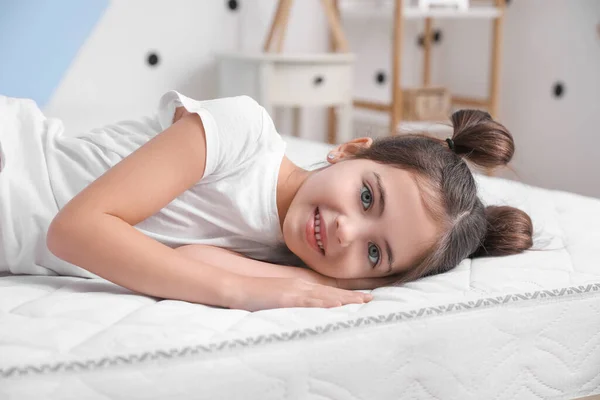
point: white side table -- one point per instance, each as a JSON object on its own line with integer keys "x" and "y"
{"x": 292, "y": 80}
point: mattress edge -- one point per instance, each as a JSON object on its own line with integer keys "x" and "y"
{"x": 158, "y": 355}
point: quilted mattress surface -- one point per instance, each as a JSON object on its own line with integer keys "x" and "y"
{"x": 517, "y": 327}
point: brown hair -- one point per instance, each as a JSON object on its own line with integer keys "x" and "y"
{"x": 450, "y": 193}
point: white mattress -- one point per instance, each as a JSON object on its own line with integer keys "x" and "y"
{"x": 518, "y": 327}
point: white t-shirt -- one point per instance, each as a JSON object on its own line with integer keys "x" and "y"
{"x": 233, "y": 206}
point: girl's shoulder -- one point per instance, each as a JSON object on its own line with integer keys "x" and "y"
{"x": 237, "y": 128}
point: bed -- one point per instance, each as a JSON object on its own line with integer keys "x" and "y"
{"x": 517, "y": 327}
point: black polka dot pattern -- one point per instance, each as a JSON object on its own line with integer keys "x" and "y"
{"x": 153, "y": 59}
{"x": 436, "y": 37}
{"x": 233, "y": 5}
{"x": 558, "y": 89}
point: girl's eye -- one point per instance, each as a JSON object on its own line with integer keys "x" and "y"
{"x": 373, "y": 254}
{"x": 366, "y": 197}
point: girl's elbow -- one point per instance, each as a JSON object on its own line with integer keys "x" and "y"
{"x": 58, "y": 236}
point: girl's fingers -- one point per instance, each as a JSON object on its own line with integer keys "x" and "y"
{"x": 357, "y": 297}
{"x": 327, "y": 297}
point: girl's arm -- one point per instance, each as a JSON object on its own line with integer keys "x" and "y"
{"x": 239, "y": 264}
{"x": 95, "y": 231}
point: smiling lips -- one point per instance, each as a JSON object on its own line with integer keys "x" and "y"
{"x": 316, "y": 233}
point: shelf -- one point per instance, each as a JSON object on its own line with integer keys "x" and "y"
{"x": 385, "y": 9}
{"x": 372, "y": 123}
{"x": 374, "y": 12}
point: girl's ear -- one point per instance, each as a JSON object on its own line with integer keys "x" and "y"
{"x": 348, "y": 149}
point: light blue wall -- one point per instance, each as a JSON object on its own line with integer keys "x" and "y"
{"x": 38, "y": 41}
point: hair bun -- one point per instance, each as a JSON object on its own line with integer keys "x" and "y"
{"x": 480, "y": 139}
{"x": 509, "y": 231}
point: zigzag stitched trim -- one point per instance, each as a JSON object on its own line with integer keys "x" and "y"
{"x": 162, "y": 355}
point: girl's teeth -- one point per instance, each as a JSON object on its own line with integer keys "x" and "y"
{"x": 318, "y": 229}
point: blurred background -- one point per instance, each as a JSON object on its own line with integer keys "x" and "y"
{"x": 94, "y": 62}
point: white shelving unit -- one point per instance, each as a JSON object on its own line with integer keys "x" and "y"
{"x": 400, "y": 10}
{"x": 370, "y": 9}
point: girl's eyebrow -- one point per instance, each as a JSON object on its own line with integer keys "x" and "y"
{"x": 382, "y": 195}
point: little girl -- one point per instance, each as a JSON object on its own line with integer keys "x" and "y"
{"x": 199, "y": 203}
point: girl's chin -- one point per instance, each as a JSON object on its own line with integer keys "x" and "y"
{"x": 315, "y": 268}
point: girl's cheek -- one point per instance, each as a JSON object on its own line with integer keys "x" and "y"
{"x": 350, "y": 269}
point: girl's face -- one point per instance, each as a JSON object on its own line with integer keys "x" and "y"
{"x": 358, "y": 219}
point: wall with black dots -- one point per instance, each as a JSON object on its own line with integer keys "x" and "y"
{"x": 137, "y": 51}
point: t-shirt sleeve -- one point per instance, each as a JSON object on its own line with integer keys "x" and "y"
{"x": 237, "y": 129}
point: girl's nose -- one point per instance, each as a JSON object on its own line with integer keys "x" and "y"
{"x": 346, "y": 231}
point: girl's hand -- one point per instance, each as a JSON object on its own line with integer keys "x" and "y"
{"x": 257, "y": 293}
{"x": 365, "y": 283}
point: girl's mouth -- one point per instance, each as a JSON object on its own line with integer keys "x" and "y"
{"x": 315, "y": 232}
